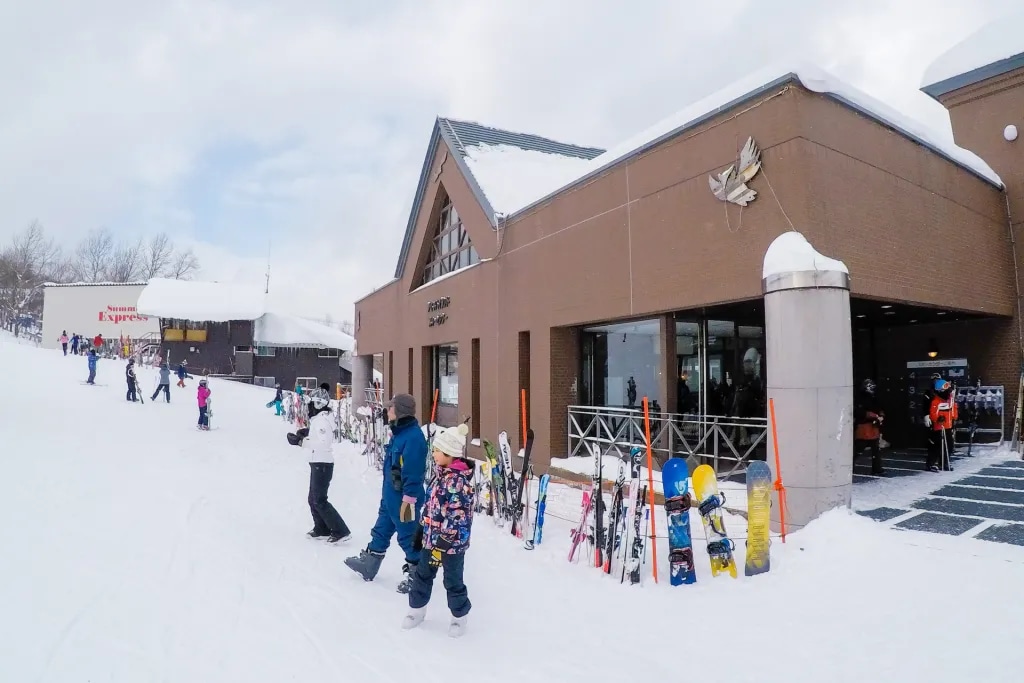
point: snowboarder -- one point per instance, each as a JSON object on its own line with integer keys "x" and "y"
{"x": 278, "y": 400}
{"x": 868, "y": 418}
{"x": 942, "y": 415}
{"x": 74, "y": 343}
{"x": 92, "y": 366}
{"x": 443, "y": 536}
{"x": 165, "y": 383}
{"x": 402, "y": 493}
{"x": 64, "y": 341}
{"x": 326, "y": 520}
{"x": 202, "y": 394}
{"x": 129, "y": 375}
{"x": 182, "y": 373}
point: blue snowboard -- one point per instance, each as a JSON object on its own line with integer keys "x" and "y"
{"x": 674, "y": 478}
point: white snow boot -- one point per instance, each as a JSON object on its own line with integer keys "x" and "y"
{"x": 458, "y": 626}
{"x": 414, "y": 618}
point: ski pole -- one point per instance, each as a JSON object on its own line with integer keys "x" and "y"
{"x": 650, "y": 481}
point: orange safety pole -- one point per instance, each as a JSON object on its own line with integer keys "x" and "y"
{"x": 650, "y": 489}
{"x": 433, "y": 411}
{"x": 778, "y": 472}
{"x": 522, "y": 411}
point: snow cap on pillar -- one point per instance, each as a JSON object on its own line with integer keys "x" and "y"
{"x": 792, "y": 263}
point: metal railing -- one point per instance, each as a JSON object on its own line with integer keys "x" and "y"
{"x": 725, "y": 443}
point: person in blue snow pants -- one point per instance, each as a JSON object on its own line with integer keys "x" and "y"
{"x": 402, "y": 493}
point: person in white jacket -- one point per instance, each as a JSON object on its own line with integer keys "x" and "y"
{"x": 320, "y": 443}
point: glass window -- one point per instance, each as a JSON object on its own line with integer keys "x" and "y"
{"x": 621, "y": 364}
{"x": 446, "y": 374}
{"x": 451, "y": 248}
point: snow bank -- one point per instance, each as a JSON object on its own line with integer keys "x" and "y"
{"x": 790, "y": 252}
{"x": 278, "y": 329}
{"x": 202, "y": 301}
{"x": 993, "y": 42}
{"x": 522, "y": 183}
{"x": 512, "y": 177}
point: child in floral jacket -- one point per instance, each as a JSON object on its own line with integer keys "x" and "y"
{"x": 444, "y": 534}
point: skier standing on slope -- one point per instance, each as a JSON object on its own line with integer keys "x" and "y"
{"x": 165, "y": 383}
{"x": 444, "y": 534}
{"x": 202, "y": 395}
{"x": 74, "y": 343}
{"x": 92, "y": 366}
{"x": 402, "y": 493}
{"x": 326, "y": 520}
{"x": 64, "y": 341}
{"x": 129, "y": 376}
{"x": 182, "y": 373}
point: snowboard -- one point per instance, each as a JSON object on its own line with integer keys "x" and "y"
{"x": 759, "y": 503}
{"x": 720, "y": 546}
{"x": 674, "y": 478}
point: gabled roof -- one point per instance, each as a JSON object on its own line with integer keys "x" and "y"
{"x": 995, "y": 49}
{"x": 467, "y": 139}
{"x": 281, "y": 330}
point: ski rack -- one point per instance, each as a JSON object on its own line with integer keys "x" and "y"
{"x": 981, "y": 396}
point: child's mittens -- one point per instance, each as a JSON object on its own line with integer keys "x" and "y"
{"x": 407, "y": 512}
{"x": 435, "y": 558}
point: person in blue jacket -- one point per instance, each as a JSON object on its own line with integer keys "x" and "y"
{"x": 92, "y": 367}
{"x": 402, "y": 494}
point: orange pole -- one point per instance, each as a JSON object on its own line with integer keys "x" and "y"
{"x": 522, "y": 411}
{"x": 778, "y": 472}
{"x": 433, "y": 411}
{"x": 650, "y": 489}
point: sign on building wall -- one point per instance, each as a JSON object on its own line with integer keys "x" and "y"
{"x": 435, "y": 311}
{"x": 88, "y": 310}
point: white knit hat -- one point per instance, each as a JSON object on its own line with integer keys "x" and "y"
{"x": 451, "y": 441}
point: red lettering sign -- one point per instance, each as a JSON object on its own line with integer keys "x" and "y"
{"x": 121, "y": 314}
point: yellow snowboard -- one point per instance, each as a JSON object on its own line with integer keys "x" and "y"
{"x": 720, "y": 546}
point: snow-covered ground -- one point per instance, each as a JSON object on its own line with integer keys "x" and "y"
{"x": 136, "y": 548}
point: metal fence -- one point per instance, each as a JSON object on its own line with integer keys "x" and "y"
{"x": 725, "y": 443}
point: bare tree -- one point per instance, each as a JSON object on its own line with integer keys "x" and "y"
{"x": 183, "y": 265}
{"x": 158, "y": 256}
{"x": 347, "y": 327}
{"x": 25, "y": 266}
{"x": 94, "y": 255}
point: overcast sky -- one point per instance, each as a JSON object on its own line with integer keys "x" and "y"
{"x": 241, "y": 123}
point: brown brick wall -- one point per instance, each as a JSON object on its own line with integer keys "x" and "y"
{"x": 524, "y": 382}
{"x": 475, "y": 384}
{"x": 565, "y": 365}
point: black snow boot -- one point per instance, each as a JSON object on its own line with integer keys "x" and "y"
{"x": 366, "y": 565}
{"x": 316, "y": 533}
{"x": 405, "y": 585}
{"x": 342, "y": 538}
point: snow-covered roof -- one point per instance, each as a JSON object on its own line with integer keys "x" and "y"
{"x": 279, "y": 329}
{"x": 202, "y": 301}
{"x": 94, "y": 284}
{"x": 994, "y": 49}
{"x": 790, "y": 252}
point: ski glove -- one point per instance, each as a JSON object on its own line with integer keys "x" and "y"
{"x": 407, "y": 512}
{"x": 441, "y": 546}
{"x": 927, "y": 421}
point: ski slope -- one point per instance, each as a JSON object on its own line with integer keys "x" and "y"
{"x": 136, "y": 548}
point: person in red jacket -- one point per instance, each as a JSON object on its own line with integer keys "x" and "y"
{"x": 942, "y": 415}
{"x": 97, "y": 343}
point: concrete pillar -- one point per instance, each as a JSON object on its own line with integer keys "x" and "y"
{"x": 809, "y": 376}
{"x": 362, "y": 379}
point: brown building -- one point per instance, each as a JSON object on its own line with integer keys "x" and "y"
{"x": 578, "y": 274}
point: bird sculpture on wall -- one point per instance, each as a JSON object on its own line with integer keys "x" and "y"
{"x": 731, "y": 184}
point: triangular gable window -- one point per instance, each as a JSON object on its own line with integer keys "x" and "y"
{"x": 450, "y": 248}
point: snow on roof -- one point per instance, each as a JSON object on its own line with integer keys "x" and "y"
{"x": 512, "y": 177}
{"x": 506, "y": 180}
{"x": 790, "y": 252}
{"x": 94, "y": 284}
{"x": 999, "y": 40}
{"x": 202, "y": 301}
{"x": 279, "y": 329}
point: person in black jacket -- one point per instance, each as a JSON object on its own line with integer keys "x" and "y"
{"x": 129, "y": 376}
{"x": 868, "y": 418}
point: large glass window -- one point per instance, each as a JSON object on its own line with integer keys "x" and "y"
{"x": 446, "y": 374}
{"x": 451, "y": 248}
{"x": 621, "y": 364}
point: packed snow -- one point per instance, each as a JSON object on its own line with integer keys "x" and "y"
{"x": 138, "y": 549}
{"x": 995, "y": 41}
{"x": 278, "y": 329}
{"x": 202, "y": 301}
{"x": 512, "y": 177}
{"x": 790, "y": 252}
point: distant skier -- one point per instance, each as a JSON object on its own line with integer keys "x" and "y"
{"x": 129, "y": 376}
{"x": 182, "y": 373}
{"x": 326, "y": 520}
{"x": 64, "y": 341}
{"x": 444, "y": 534}
{"x": 97, "y": 343}
{"x": 92, "y": 366}
{"x": 165, "y": 383}
{"x": 402, "y": 493}
{"x": 203, "y": 396}
{"x": 74, "y": 343}
{"x": 278, "y": 400}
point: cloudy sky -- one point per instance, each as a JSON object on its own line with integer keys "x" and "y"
{"x": 242, "y": 125}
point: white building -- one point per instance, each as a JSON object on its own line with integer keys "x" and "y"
{"x": 107, "y": 308}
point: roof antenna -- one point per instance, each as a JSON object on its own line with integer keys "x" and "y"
{"x": 266, "y": 289}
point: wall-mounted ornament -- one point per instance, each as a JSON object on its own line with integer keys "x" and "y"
{"x": 731, "y": 184}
